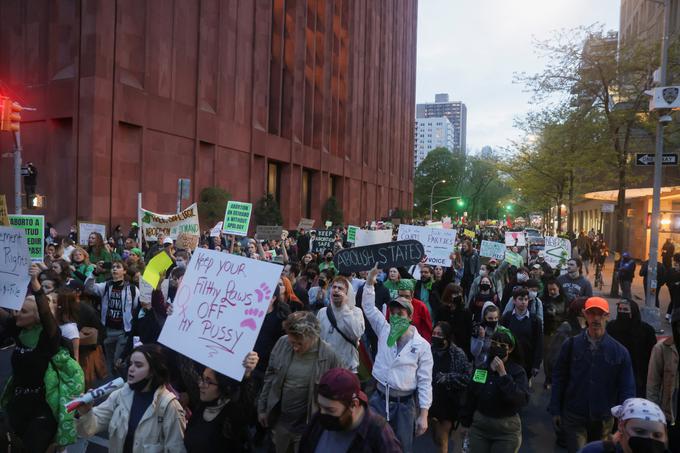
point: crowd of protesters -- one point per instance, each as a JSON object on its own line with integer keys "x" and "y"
{"x": 360, "y": 362}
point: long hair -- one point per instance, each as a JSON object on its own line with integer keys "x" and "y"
{"x": 85, "y": 253}
{"x": 65, "y": 270}
{"x": 159, "y": 373}
{"x": 449, "y": 291}
{"x": 98, "y": 243}
{"x": 290, "y": 294}
{"x": 68, "y": 306}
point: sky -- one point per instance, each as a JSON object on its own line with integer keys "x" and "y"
{"x": 471, "y": 49}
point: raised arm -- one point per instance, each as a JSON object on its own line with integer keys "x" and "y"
{"x": 374, "y": 316}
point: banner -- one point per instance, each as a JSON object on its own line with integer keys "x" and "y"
{"x": 305, "y": 224}
{"x": 4, "y": 220}
{"x": 219, "y": 309}
{"x": 370, "y": 237}
{"x": 557, "y": 251}
{"x": 352, "y": 233}
{"x": 14, "y": 267}
{"x": 515, "y": 239}
{"x": 490, "y": 249}
{"x": 389, "y": 254}
{"x": 34, "y": 229}
{"x": 86, "y": 228}
{"x": 266, "y": 232}
{"x": 237, "y": 218}
{"x": 182, "y": 227}
{"x": 324, "y": 240}
{"x": 438, "y": 243}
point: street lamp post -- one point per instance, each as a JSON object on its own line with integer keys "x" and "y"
{"x": 656, "y": 196}
{"x": 432, "y": 195}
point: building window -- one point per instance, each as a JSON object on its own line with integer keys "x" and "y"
{"x": 274, "y": 181}
{"x": 306, "y": 194}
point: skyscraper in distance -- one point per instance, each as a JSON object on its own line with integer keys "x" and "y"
{"x": 454, "y": 111}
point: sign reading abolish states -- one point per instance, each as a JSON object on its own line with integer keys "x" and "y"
{"x": 389, "y": 254}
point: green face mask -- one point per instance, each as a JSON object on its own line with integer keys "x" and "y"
{"x": 398, "y": 326}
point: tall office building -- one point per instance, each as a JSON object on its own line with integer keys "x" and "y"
{"x": 431, "y": 133}
{"x": 455, "y": 111}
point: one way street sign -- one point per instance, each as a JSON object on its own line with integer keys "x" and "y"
{"x": 646, "y": 159}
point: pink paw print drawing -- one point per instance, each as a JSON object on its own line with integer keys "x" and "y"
{"x": 263, "y": 293}
{"x": 250, "y": 322}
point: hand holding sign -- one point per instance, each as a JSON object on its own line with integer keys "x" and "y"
{"x": 389, "y": 254}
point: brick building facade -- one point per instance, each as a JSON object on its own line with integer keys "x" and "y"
{"x": 301, "y": 98}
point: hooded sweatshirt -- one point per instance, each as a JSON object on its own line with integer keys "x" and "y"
{"x": 350, "y": 320}
{"x": 479, "y": 347}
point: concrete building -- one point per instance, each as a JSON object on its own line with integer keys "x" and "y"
{"x": 431, "y": 133}
{"x": 643, "y": 19}
{"x": 303, "y": 99}
{"x": 455, "y": 111}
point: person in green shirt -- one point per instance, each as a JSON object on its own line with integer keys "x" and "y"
{"x": 328, "y": 262}
{"x": 99, "y": 254}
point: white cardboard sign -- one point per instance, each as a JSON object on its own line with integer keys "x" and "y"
{"x": 86, "y": 228}
{"x": 557, "y": 250}
{"x": 491, "y": 249}
{"x": 14, "y": 265}
{"x": 219, "y": 309}
{"x": 515, "y": 238}
{"x": 438, "y": 242}
{"x": 372, "y": 237}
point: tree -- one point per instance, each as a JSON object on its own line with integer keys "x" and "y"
{"x": 332, "y": 211}
{"x": 212, "y": 204}
{"x": 439, "y": 165}
{"x": 267, "y": 212}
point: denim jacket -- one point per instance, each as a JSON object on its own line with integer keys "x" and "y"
{"x": 589, "y": 383}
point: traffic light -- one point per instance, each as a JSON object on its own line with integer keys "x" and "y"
{"x": 460, "y": 203}
{"x": 10, "y": 115}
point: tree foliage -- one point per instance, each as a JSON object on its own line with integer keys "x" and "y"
{"x": 266, "y": 211}
{"x": 212, "y": 204}
{"x": 332, "y": 211}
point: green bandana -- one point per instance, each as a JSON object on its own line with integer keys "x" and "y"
{"x": 398, "y": 326}
{"x": 30, "y": 337}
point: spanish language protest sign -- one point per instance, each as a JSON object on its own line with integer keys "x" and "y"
{"x": 14, "y": 266}
{"x": 34, "y": 229}
{"x": 219, "y": 309}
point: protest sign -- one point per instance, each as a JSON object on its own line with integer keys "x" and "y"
{"x": 237, "y": 218}
{"x": 4, "y": 220}
{"x": 157, "y": 266}
{"x": 86, "y": 228}
{"x": 324, "y": 240}
{"x": 557, "y": 251}
{"x": 514, "y": 259}
{"x": 14, "y": 267}
{"x": 305, "y": 224}
{"x": 389, "y": 254}
{"x": 469, "y": 233}
{"x": 396, "y": 222}
{"x": 370, "y": 237}
{"x": 34, "y": 228}
{"x": 515, "y": 238}
{"x": 352, "y": 233}
{"x": 266, "y": 232}
{"x": 438, "y": 243}
{"x": 219, "y": 309}
{"x": 328, "y": 224}
{"x": 490, "y": 249}
{"x": 182, "y": 227}
{"x": 216, "y": 230}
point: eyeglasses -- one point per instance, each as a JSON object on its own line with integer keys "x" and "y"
{"x": 204, "y": 381}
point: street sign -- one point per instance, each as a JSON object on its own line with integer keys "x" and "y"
{"x": 184, "y": 188}
{"x": 647, "y": 159}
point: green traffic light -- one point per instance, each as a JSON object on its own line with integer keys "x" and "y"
{"x": 460, "y": 202}
{"x": 509, "y": 207}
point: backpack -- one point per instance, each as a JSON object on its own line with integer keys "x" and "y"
{"x": 64, "y": 379}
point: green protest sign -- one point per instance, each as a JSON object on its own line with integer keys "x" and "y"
{"x": 237, "y": 218}
{"x": 34, "y": 228}
{"x": 514, "y": 259}
{"x": 352, "y": 234}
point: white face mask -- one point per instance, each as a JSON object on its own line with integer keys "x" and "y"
{"x": 522, "y": 278}
{"x": 533, "y": 294}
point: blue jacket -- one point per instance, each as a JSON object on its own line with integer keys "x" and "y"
{"x": 589, "y": 383}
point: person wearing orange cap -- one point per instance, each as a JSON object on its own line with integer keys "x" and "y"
{"x": 593, "y": 372}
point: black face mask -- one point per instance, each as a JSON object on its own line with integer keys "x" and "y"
{"x": 457, "y": 300}
{"x": 496, "y": 351}
{"x": 645, "y": 445}
{"x": 623, "y": 316}
{"x": 438, "y": 343}
{"x": 490, "y": 324}
{"x": 333, "y": 423}
{"x": 485, "y": 287}
{"x": 329, "y": 258}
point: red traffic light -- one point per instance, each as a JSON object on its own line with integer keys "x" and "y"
{"x": 10, "y": 115}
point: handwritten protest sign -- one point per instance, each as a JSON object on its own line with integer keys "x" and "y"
{"x": 86, "y": 228}
{"x": 469, "y": 233}
{"x": 323, "y": 241}
{"x": 438, "y": 242}
{"x": 158, "y": 265}
{"x": 370, "y": 237}
{"x": 328, "y": 224}
{"x": 14, "y": 266}
{"x": 352, "y": 233}
{"x": 216, "y": 230}
{"x": 557, "y": 251}
{"x": 182, "y": 227}
{"x": 4, "y": 220}
{"x": 266, "y": 232}
{"x": 490, "y": 249}
{"x": 237, "y": 218}
{"x": 389, "y": 254}
{"x": 34, "y": 229}
{"x": 515, "y": 238}
{"x": 514, "y": 259}
{"x": 305, "y": 224}
{"x": 219, "y": 309}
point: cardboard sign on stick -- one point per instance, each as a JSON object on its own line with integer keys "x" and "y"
{"x": 87, "y": 228}
{"x": 14, "y": 267}
{"x": 491, "y": 249}
{"x": 438, "y": 242}
{"x": 219, "y": 309}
